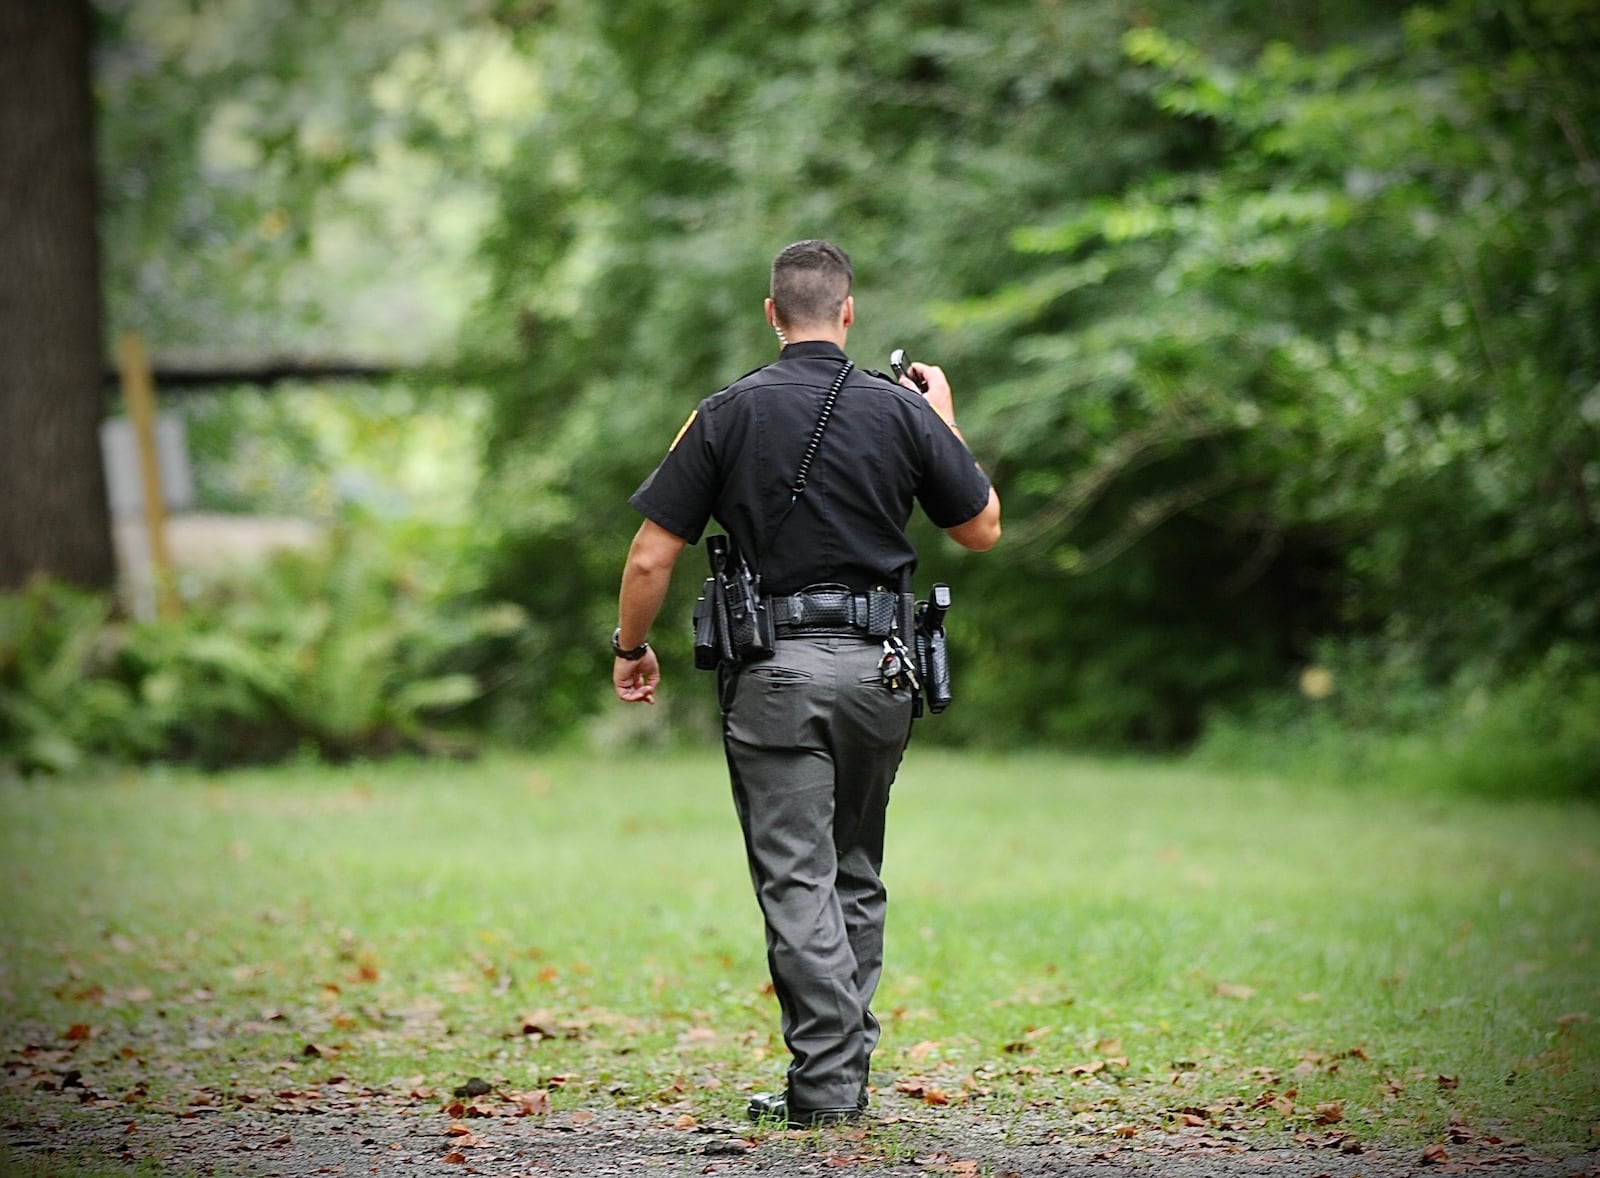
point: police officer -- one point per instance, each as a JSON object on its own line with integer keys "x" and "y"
{"x": 814, "y": 734}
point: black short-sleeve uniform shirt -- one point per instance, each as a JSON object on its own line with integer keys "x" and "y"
{"x": 884, "y": 449}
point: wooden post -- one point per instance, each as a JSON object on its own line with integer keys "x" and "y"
{"x": 139, "y": 392}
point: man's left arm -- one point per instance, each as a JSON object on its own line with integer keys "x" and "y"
{"x": 645, "y": 578}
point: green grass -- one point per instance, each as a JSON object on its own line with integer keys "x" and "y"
{"x": 1095, "y": 943}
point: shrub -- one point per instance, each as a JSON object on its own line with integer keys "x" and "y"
{"x": 348, "y": 651}
{"x": 1370, "y": 713}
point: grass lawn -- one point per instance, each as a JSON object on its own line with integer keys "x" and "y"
{"x": 1114, "y": 947}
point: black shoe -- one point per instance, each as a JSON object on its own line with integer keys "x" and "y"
{"x": 774, "y": 1106}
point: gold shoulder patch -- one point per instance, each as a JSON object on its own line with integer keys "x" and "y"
{"x": 693, "y": 413}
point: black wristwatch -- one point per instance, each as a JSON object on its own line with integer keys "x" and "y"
{"x": 631, "y": 656}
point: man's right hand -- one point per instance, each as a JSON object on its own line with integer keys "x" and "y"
{"x": 938, "y": 389}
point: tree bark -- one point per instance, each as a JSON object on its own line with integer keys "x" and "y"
{"x": 53, "y": 513}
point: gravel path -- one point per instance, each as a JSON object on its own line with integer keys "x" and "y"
{"x": 426, "y": 1142}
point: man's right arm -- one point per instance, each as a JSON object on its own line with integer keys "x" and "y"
{"x": 982, "y": 531}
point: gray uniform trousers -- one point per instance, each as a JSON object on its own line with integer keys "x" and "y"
{"x": 813, "y": 738}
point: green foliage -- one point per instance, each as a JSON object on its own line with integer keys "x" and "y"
{"x": 1366, "y": 330}
{"x": 1272, "y": 326}
{"x": 60, "y": 701}
{"x": 299, "y": 178}
{"x": 351, "y": 651}
{"x": 392, "y": 450}
{"x": 1370, "y": 712}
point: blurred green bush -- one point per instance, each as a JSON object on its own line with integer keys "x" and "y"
{"x": 355, "y": 649}
{"x": 1369, "y": 712}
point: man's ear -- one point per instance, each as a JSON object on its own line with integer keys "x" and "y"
{"x": 849, "y": 309}
{"x": 772, "y": 315}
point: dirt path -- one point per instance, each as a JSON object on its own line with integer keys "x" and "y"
{"x": 424, "y": 1143}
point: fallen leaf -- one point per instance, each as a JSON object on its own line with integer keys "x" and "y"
{"x": 1330, "y": 1113}
{"x": 1192, "y": 1120}
{"x": 1447, "y": 1082}
{"x": 686, "y": 1121}
{"x": 582, "y": 1117}
{"x": 535, "y": 1103}
{"x": 80, "y": 1031}
{"x": 1234, "y": 990}
{"x": 1125, "y": 1131}
{"x": 455, "y": 1157}
{"x": 922, "y": 1050}
{"x": 458, "y": 1129}
{"x": 122, "y": 944}
{"x": 1434, "y": 1155}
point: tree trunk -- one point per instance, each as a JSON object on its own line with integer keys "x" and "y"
{"x": 53, "y": 513}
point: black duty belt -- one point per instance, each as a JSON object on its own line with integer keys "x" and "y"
{"x": 870, "y": 614}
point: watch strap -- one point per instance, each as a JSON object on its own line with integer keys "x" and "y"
{"x": 633, "y": 655}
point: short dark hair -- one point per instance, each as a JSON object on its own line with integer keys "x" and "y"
{"x": 810, "y": 281}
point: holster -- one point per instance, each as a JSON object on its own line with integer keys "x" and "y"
{"x": 932, "y": 649}
{"x": 732, "y": 624}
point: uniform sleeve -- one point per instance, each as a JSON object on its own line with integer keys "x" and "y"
{"x": 954, "y": 488}
{"x": 682, "y": 491}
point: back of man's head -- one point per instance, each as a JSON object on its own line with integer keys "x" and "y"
{"x": 810, "y": 282}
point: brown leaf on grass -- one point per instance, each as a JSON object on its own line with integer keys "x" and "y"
{"x": 458, "y": 1129}
{"x": 923, "y": 1089}
{"x": 1087, "y": 1069}
{"x": 532, "y": 1104}
{"x": 1434, "y": 1155}
{"x": 1448, "y": 1082}
{"x": 122, "y": 943}
{"x": 686, "y": 1121}
{"x": 78, "y": 1032}
{"x": 1567, "y": 1021}
{"x": 921, "y": 1051}
{"x": 1235, "y": 990}
{"x": 698, "y": 1035}
{"x": 1125, "y": 1131}
{"x": 1191, "y": 1120}
{"x": 1330, "y": 1113}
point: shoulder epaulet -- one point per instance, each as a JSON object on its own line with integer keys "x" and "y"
{"x": 883, "y": 376}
